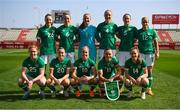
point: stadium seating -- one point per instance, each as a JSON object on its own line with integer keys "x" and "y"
{"x": 30, "y": 35}
{"x": 168, "y": 36}
{"x": 17, "y": 35}
{"x": 2, "y": 33}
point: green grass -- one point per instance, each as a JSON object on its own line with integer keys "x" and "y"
{"x": 166, "y": 88}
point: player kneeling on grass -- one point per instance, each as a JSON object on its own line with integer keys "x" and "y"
{"x": 59, "y": 72}
{"x": 32, "y": 72}
{"x": 84, "y": 73}
{"x": 108, "y": 70}
{"x": 136, "y": 73}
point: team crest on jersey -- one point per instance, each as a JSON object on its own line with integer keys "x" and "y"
{"x": 112, "y": 65}
{"x": 125, "y": 33}
{"x": 71, "y": 31}
{"x": 148, "y": 33}
{"x": 63, "y": 30}
{"x": 64, "y": 66}
{"x": 88, "y": 66}
{"x": 53, "y": 31}
{"x": 80, "y": 66}
{"x": 111, "y": 28}
{"x": 129, "y": 29}
{"x": 106, "y": 30}
{"x": 57, "y": 65}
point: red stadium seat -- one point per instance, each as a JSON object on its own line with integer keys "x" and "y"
{"x": 164, "y": 36}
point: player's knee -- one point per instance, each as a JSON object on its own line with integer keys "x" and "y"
{"x": 20, "y": 81}
{"x": 66, "y": 82}
{"x": 149, "y": 69}
{"x": 101, "y": 84}
{"x": 121, "y": 78}
{"x": 73, "y": 81}
{"x": 128, "y": 82}
{"x": 49, "y": 81}
{"x": 42, "y": 81}
{"x": 144, "y": 81}
{"x": 93, "y": 81}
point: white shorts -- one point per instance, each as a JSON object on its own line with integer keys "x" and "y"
{"x": 101, "y": 53}
{"x": 48, "y": 58}
{"x": 149, "y": 58}
{"x": 70, "y": 55}
{"x": 122, "y": 57}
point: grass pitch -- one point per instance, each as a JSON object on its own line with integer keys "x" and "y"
{"x": 166, "y": 88}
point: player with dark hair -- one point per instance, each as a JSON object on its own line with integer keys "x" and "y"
{"x": 136, "y": 73}
{"x": 108, "y": 70}
{"x": 127, "y": 34}
{"x": 46, "y": 40}
{"x": 67, "y": 35}
{"x": 59, "y": 72}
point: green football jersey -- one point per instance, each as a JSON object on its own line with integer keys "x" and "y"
{"x": 47, "y": 37}
{"x": 135, "y": 70}
{"x": 108, "y": 67}
{"x": 33, "y": 66}
{"x": 145, "y": 40}
{"x": 127, "y": 35}
{"x": 105, "y": 35}
{"x": 84, "y": 67}
{"x": 67, "y": 35}
{"x": 60, "y": 67}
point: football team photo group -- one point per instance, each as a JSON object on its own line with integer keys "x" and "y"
{"x": 89, "y": 54}
{"x": 51, "y": 62}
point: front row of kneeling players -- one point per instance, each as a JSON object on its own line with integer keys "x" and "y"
{"x": 62, "y": 72}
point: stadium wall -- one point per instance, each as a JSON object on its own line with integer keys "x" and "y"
{"x": 22, "y": 38}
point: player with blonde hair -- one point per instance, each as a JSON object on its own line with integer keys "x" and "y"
{"x": 87, "y": 36}
{"x": 84, "y": 72}
{"x": 148, "y": 47}
{"x": 32, "y": 72}
{"x": 105, "y": 34}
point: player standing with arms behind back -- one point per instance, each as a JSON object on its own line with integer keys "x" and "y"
{"x": 148, "y": 47}
{"x": 67, "y": 35}
{"x": 87, "y": 36}
{"x": 105, "y": 34}
{"x": 46, "y": 40}
{"x": 127, "y": 34}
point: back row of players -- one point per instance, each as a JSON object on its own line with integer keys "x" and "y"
{"x": 137, "y": 70}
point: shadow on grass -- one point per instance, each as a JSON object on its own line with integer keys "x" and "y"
{"x": 12, "y": 96}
